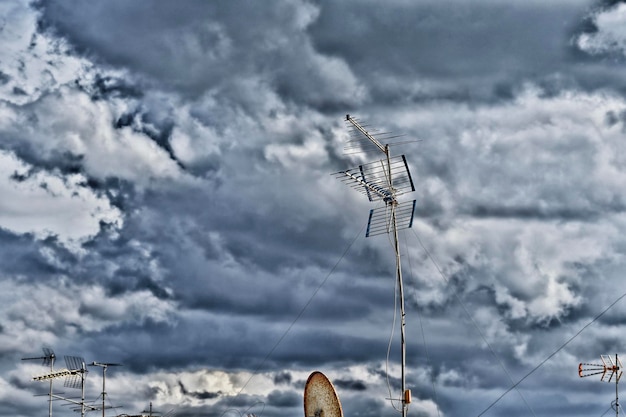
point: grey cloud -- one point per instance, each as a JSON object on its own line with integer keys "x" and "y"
{"x": 284, "y": 399}
{"x": 453, "y": 49}
{"x": 220, "y": 36}
{"x": 282, "y": 378}
{"x": 354, "y": 385}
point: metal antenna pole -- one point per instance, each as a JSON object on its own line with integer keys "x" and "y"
{"x": 50, "y": 394}
{"x": 104, "y": 367}
{"x": 405, "y": 400}
{"x": 384, "y": 181}
{"x": 391, "y": 201}
{"x": 82, "y": 390}
{"x": 104, "y": 391}
{"x": 618, "y": 369}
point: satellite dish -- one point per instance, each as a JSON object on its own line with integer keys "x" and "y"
{"x": 320, "y": 397}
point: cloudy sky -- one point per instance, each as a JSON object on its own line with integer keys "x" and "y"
{"x": 167, "y": 203}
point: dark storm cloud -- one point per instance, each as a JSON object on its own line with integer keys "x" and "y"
{"x": 107, "y": 86}
{"x": 282, "y": 378}
{"x": 284, "y": 399}
{"x": 227, "y": 39}
{"x": 198, "y": 395}
{"x": 536, "y": 213}
{"x": 457, "y": 51}
{"x": 22, "y": 256}
{"x": 353, "y": 385}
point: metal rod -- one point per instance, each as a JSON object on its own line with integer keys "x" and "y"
{"x": 618, "y": 370}
{"x": 82, "y": 389}
{"x": 104, "y": 392}
{"x": 50, "y": 393}
{"x": 366, "y": 133}
{"x": 402, "y": 313}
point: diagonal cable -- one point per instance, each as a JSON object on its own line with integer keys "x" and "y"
{"x": 306, "y": 305}
{"x": 554, "y": 353}
{"x": 475, "y": 324}
{"x": 419, "y": 316}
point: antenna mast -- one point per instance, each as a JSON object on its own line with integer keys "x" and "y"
{"x": 104, "y": 367}
{"x": 74, "y": 375}
{"x": 608, "y": 365}
{"x": 48, "y": 359}
{"x": 385, "y": 180}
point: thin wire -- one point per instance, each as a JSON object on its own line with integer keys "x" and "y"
{"x": 555, "y": 352}
{"x": 419, "y": 316}
{"x": 393, "y": 327}
{"x": 393, "y": 324}
{"x": 475, "y": 325}
{"x": 300, "y": 313}
{"x": 609, "y": 409}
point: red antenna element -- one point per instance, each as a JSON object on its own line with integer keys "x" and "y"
{"x": 610, "y": 367}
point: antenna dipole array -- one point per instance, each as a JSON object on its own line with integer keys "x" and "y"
{"x": 608, "y": 367}
{"x": 385, "y": 180}
{"x": 74, "y": 375}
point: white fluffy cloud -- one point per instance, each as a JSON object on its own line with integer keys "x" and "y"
{"x": 32, "y": 63}
{"x": 46, "y": 204}
{"x": 48, "y": 313}
{"x": 610, "y": 36}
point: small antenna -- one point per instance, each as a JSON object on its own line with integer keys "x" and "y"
{"x": 74, "y": 374}
{"x": 150, "y": 411}
{"x": 47, "y": 359}
{"x": 320, "y": 397}
{"x": 104, "y": 367}
{"x": 608, "y": 367}
{"x": 385, "y": 180}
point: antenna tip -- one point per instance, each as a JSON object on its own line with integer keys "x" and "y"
{"x": 347, "y": 117}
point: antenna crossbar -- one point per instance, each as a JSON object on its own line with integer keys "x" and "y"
{"x": 381, "y": 180}
{"x": 365, "y": 133}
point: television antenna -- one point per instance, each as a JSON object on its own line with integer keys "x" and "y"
{"x": 320, "y": 397}
{"x": 385, "y": 180}
{"x": 74, "y": 374}
{"x": 104, "y": 367}
{"x": 47, "y": 359}
{"x": 610, "y": 367}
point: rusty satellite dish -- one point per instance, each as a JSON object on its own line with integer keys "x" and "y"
{"x": 320, "y": 397}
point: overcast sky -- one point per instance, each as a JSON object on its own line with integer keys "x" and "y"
{"x": 167, "y": 203}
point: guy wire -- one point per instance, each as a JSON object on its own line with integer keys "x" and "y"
{"x": 306, "y": 305}
{"x": 477, "y": 328}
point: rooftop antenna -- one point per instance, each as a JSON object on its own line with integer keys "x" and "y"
{"x": 610, "y": 367}
{"x": 48, "y": 359}
{"x": 320, "y": 397}
{"x": 74, "y": 374}
{"x": 151, "y": 411}
{"x": 104, "y": 367}
{"x": 384, "y": 180}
